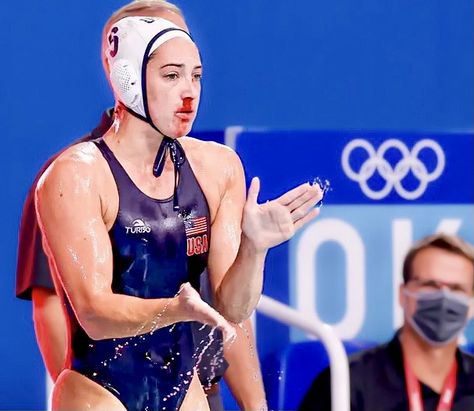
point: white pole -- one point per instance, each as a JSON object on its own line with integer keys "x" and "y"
{"x": 339, "y": 364}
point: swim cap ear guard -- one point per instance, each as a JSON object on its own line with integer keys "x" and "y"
{"x": 132, "y": 40}
{"x": 125, "y": 83}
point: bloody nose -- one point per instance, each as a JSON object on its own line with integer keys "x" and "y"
{"x": 187, "y": 104}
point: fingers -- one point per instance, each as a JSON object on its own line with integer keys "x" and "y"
{"x": 218, "y": 321}
{"x": 293, "y": 194}
{"x": 305, "y": 203}
{"x": 254, "y": 189}
{"x": 184, "y": 287}
{"x": 199, "y": 310}
{"x": 215, "y": 319}
{"x": 301, "y": 199}
{"x": 307, "y": 218}
{"x": 229, "y": 332}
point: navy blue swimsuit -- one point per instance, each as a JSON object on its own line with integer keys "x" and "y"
{"x": 156, "y": 248}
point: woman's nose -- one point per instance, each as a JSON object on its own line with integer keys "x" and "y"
{"x": 190, "y": 89}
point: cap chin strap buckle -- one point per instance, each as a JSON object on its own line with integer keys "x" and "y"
{"x": 178, "y": 157}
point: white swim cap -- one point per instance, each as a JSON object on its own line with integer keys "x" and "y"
{"x": 132, "y": 40}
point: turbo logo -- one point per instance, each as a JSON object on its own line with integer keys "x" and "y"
{"x": 138, "y": 227}
{"x": 393, "y": 175}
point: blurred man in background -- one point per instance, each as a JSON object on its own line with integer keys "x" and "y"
{"x": 421, "y": 368}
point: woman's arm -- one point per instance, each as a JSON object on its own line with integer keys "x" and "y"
{"x": 242, "y": 233}
{"x": 69, "y": 208}
{"x": 243, "y": 376}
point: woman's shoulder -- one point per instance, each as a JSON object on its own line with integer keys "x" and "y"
{"x": 217, "y": 167}
{"x": 211, "y": 153}
{"x": 84, "y": 155}
{"x": 80, "y": 159}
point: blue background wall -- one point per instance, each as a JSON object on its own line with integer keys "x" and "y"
{"x": 340, "y": 65}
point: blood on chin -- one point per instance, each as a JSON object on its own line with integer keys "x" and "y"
{"x": 181, "y": 128}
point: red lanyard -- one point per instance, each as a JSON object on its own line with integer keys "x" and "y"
{"x": 414, "y": 392}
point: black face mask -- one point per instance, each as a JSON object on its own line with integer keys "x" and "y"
{"x": 440, "y": 316}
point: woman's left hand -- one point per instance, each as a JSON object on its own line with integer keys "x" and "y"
{"x": 269, "y": 224}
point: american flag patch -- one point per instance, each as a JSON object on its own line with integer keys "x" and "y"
{"x": 196, "y": 226}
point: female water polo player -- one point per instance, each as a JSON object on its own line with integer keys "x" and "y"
{"x": 132, "y": 219}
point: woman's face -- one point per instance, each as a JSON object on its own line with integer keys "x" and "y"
{"x": 174, "y": 86}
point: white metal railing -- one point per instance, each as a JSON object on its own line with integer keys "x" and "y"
{"x": 338, "y": 361}
{"x": 49, "y": 391}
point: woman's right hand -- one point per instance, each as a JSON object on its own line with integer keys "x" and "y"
{"x": 198, "y": 310}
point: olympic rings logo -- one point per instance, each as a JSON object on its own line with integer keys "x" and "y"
{"x": 393, "y": 175}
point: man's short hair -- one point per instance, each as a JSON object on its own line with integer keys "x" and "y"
{"x": 450, "y": 243}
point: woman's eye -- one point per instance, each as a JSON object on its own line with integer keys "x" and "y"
{"x": 171, "y": 76}
{"x": 197, "y": 76}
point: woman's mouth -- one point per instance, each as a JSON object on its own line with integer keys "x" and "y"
{"x": 185, "y": 115}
